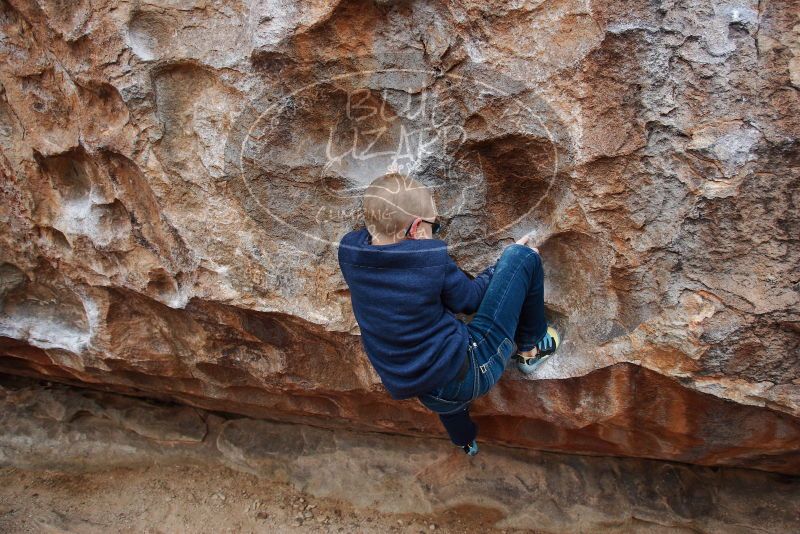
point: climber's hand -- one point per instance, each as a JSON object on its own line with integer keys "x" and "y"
{"x": 526, "y": 240}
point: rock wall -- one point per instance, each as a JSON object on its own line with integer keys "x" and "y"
{"x": 175, "y": 177}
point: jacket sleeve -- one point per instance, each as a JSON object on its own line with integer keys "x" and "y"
{"x": 460, "y": 294}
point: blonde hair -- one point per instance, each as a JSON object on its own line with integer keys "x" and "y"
{"x": 393, "y": 201}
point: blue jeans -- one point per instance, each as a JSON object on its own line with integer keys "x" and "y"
{"x": 511, "y": 309}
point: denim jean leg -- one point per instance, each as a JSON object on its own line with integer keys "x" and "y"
{"x": 451, "y": 403}
{"x": 494, "y": 356}
{"x": 532, "y": 322}
{"x": 460, "y": 426}
{"x": 512, "y": 309}
{"x": 515, "y": 292}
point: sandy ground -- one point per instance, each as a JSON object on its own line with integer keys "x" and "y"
{"x": 197, "y": 499}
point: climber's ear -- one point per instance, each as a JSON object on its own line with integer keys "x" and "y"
{"x": 411, "y": 232}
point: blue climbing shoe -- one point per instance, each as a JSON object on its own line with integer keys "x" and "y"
{"x": 471, "y": 449}
{"x": 544, "y": 349}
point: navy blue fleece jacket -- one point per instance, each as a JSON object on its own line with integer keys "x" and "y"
{"x": 404, "y": 298}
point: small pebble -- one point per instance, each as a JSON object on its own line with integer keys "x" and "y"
{"x": 432, "y": 527}
{"x": 400, "y": 522}
{"x": 307, "y": 514}
{"x": 262, "y": 515}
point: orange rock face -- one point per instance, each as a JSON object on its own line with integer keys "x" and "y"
{"x": 174, "y": 181}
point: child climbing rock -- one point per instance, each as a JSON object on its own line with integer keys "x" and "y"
{"x": 406, "y": 289}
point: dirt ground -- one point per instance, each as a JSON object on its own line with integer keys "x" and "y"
{"x": 197, "y": 499}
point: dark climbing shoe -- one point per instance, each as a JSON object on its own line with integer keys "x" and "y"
{"x": 544, "y": 349}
